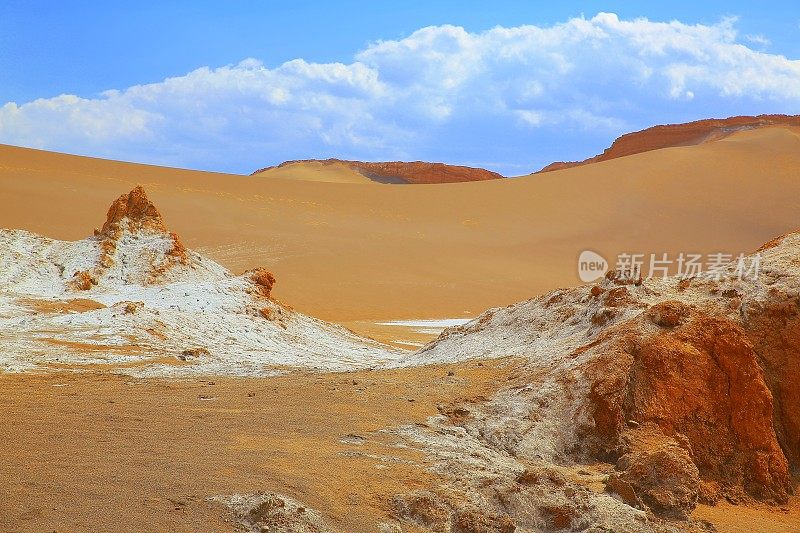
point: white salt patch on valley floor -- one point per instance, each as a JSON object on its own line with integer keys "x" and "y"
{"x": 432, "y": 326}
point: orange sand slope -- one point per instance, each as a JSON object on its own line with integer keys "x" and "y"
{"x": 671, "y": 135}
{"x": 352, "y": 252}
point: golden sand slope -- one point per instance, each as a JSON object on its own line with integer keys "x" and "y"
{"x": 333, "y": 172}
{"x": 348, "y": 252}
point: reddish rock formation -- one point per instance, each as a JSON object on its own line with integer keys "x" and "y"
{"x": 178, "y": 250}
{"x": 700, "y": 382}
{"x": 677, "y": 135}
{"x": 135, "y": 213}
{"x": 264, "y": 280}
{"x": 774, "y": 330}
{"x": 658, "y": 472}
{"x": 436, "y": 513}
{"x": 416, "y": 172}
{"x": 137, "y": 209}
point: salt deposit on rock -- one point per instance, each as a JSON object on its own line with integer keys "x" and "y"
{"x": 275, "y": 513}
{"x": 681, "y": 390}
{"x": 165, "y": 309}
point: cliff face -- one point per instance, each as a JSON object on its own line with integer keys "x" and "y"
{"x": 415, "y": 172}
{"x": 678, "y": 135}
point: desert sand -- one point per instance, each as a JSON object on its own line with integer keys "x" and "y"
{"x": 99, "y": 452}
{"x": 355, "y": 253}
{"x": 601, "y": 406}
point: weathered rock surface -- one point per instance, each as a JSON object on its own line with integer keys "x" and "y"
{"x": 671, "y": 391}
{"x": 275, "y": 513}
{"x": 184, "y": 300}
{"x": 133, "y": 211}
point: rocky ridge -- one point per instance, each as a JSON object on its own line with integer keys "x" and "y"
{"x": 416, "y": 172}
{"x": 654, "y": 394}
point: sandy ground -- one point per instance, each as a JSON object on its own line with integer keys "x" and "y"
{"x": 351, "y": 252}
{"x": 729, "y": 518}
{"x": 92, "y": 451}
{"x": 97, "y": 452}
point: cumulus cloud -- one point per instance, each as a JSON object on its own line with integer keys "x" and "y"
{"x": 522, "y": 95}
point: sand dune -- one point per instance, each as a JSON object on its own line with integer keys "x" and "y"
{"x": 352, "y": 252}
{"x": 671, "y": 135}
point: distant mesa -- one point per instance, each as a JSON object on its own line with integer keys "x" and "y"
{"x": 391, "y": 172}
{"x": 672, "y": 135}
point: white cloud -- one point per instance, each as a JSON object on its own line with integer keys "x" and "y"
{"x": 441, "y": 93}
{"x": 758, "y": 39}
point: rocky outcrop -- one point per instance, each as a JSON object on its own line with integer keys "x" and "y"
{"x": 678, "y": 390}
{"x": 268, "y": 511}
{"x": 433, "y": 512}
{"x": 133, "y": 211}
{"x": 773, "y": 327}
{"x": 264, "y": 280}
{"x": 156, "y": 299}
{"x": 703, "y": 383}
{"x": 670, "y": 135}
{"x": 82, "y": 281}
{"x": 656, "y": 472}
{"x": 417, "y": 172}
{"x": 133, "y": 214}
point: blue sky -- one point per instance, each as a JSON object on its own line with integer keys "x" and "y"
{"x": 506, "y": 85}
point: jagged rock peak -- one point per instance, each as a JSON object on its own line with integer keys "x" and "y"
{"x": 137, "y": 209}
